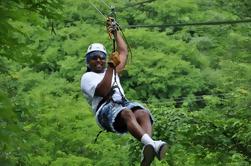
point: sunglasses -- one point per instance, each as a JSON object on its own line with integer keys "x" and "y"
{"x": 97, "y": 55}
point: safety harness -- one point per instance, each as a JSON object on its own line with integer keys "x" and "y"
{"x": 117, "y": 27}
{"x": 108, "y": 98}
{"x": 115, "y": 83}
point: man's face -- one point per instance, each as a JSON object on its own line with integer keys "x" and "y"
{"x": 97, "y": 62}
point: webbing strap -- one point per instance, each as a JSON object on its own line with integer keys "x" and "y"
{"x": 95, "y": 141}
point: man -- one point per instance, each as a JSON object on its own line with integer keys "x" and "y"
{"x": 113, "y": 112}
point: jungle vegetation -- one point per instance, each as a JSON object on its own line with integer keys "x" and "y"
{"x": 195, "y": 80}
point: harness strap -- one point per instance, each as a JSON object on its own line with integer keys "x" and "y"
{"x": 95, "y": 141}
{"x": 105, "y": 99}
{"x": 109, "y": 95}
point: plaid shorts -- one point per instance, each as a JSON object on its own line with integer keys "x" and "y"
{"x": 107, "y": 114}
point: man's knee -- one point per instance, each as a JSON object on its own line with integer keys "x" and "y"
{"x": 127, "y": 115}
{"x": 141, "y": 114}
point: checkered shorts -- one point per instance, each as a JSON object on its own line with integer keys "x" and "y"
{"x": 108, "y": 112}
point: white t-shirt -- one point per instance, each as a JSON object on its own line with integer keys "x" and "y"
{"x": 89, "y": 82}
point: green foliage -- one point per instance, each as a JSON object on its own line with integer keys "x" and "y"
{"x": 18, "y": 19}
{"x": 9, "y": 131}
{"x": 195, "y": 80}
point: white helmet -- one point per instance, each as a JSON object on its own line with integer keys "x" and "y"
{"x": 96, "y": 47}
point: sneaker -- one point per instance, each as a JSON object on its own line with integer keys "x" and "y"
{"x": 148, "y": 155}
{"x": 160, "y": 149}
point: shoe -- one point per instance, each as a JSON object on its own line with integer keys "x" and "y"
{"x": 160, "y": 149}
{"x": 148, "y": 155}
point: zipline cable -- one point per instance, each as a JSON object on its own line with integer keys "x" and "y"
{"x": 189, "y": 24}
{"x": 105, "y": 3}
{"x": 113, "y": 14}
{"x": 98, "y": 10}
{"x": 177, "y": 100}
{"x": 174, "y": 24}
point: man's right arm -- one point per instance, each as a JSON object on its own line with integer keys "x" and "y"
{"x": 104, "y": 87}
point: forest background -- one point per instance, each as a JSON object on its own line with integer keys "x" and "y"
{"x": 195, "y": 79}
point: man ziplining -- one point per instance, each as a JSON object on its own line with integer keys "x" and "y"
{"x": 113, "y": 112}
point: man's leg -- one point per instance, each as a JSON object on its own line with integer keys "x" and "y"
{"x": 127, "y": 119}
{"x": 141, "y": 129}
{"x": 143, "y": 118}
